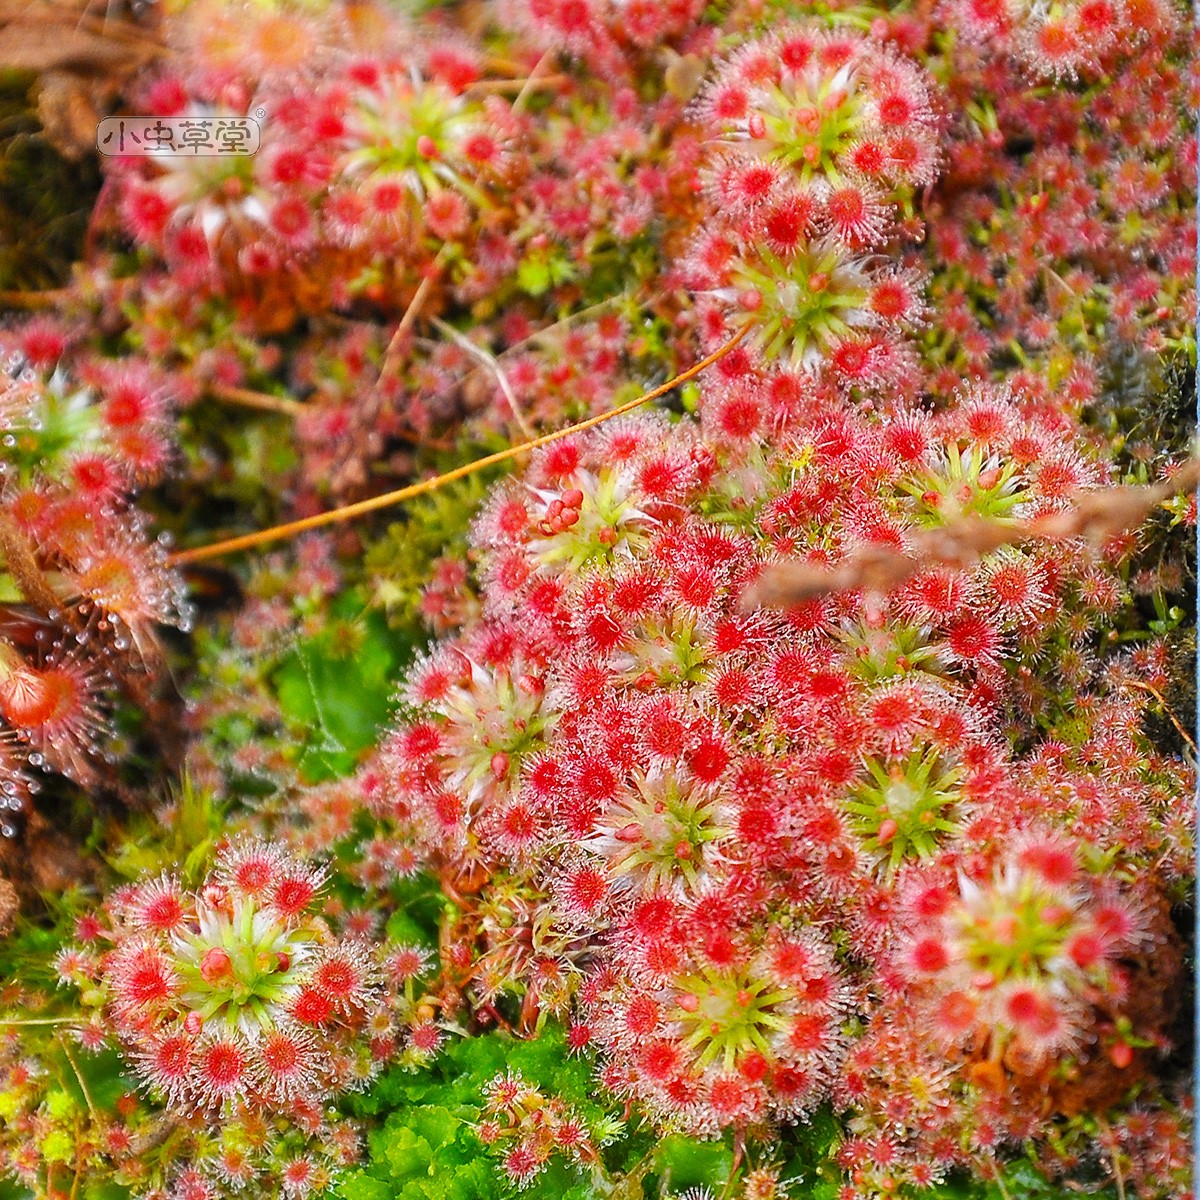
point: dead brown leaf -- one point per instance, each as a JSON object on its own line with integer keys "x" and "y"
{"x": 81, "y": 62}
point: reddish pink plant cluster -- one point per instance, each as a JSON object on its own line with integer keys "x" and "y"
{"x": 394, "y": 172}
{"x": 1083, "y": 37}
{"x": 236, "y": 997}
{"x": 691, "y": 799}
{"x": 1044, "y": 260}
{"x": 1015, "y": 962}
{"x": 606, "y": 34}
{"x": 530, "y": 1128}
{"x": 155, "y": 1157}
{"x": 823, "y": 137}
{"x": 351, "y": 175}
{"x": 81, "y": 436}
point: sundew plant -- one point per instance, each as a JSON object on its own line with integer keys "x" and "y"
{"x": 608, "y": 612}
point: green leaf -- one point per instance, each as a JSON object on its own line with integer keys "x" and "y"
{"x": 435, "y": 1125}
{"x": 407, "y": 1153}
{"x": 361, "y": 1186}
{"x": 684, "y": 1162}
{"x": 474, "y": 1180}
{"x": 338, "y": 696}
{"x": 427, "y": 1148}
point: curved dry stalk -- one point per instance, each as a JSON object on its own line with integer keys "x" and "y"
{"x": 388, "y": 499}
{"x": 499, "y": 86}
{"x": 391, "y": 356}
{"x": 1142, "y": 686}
{"x": 5, "y": 1023}
{"x": 491, "y": 364}
{"x": 23, "y": 566}
{"x": 83, "y": 1087}
{"x": 261, "y": 401}
{"x": 532, "y": 82}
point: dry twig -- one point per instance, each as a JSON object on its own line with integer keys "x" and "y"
{"x": 262, "y": 401}
{"x": 388, "y": 499}
{"x": 1094, "y": 515}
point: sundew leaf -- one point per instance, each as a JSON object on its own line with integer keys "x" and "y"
{"x": 534, "y": 276}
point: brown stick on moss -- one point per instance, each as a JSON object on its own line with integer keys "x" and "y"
{"x": 263, "y": 401}
{"x": 361, "y": 508}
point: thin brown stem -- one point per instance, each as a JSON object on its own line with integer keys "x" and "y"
{"x": 388, "y": 499}
{"x": 505, "y": 66}
{"x": 1166, "y": 709}
{"x": 262, "y": 401}
{"x": 501, "y": 86}
{"x": 14, "y": 1022}
{"x": 391, "y": 356}
{"x": 739, "y": 1150}
{"x": 528, "y": 86}
{"x": 83, "y": 1087}
{"x": 75, "y": 1182}
{"x": 34, "y": 300}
